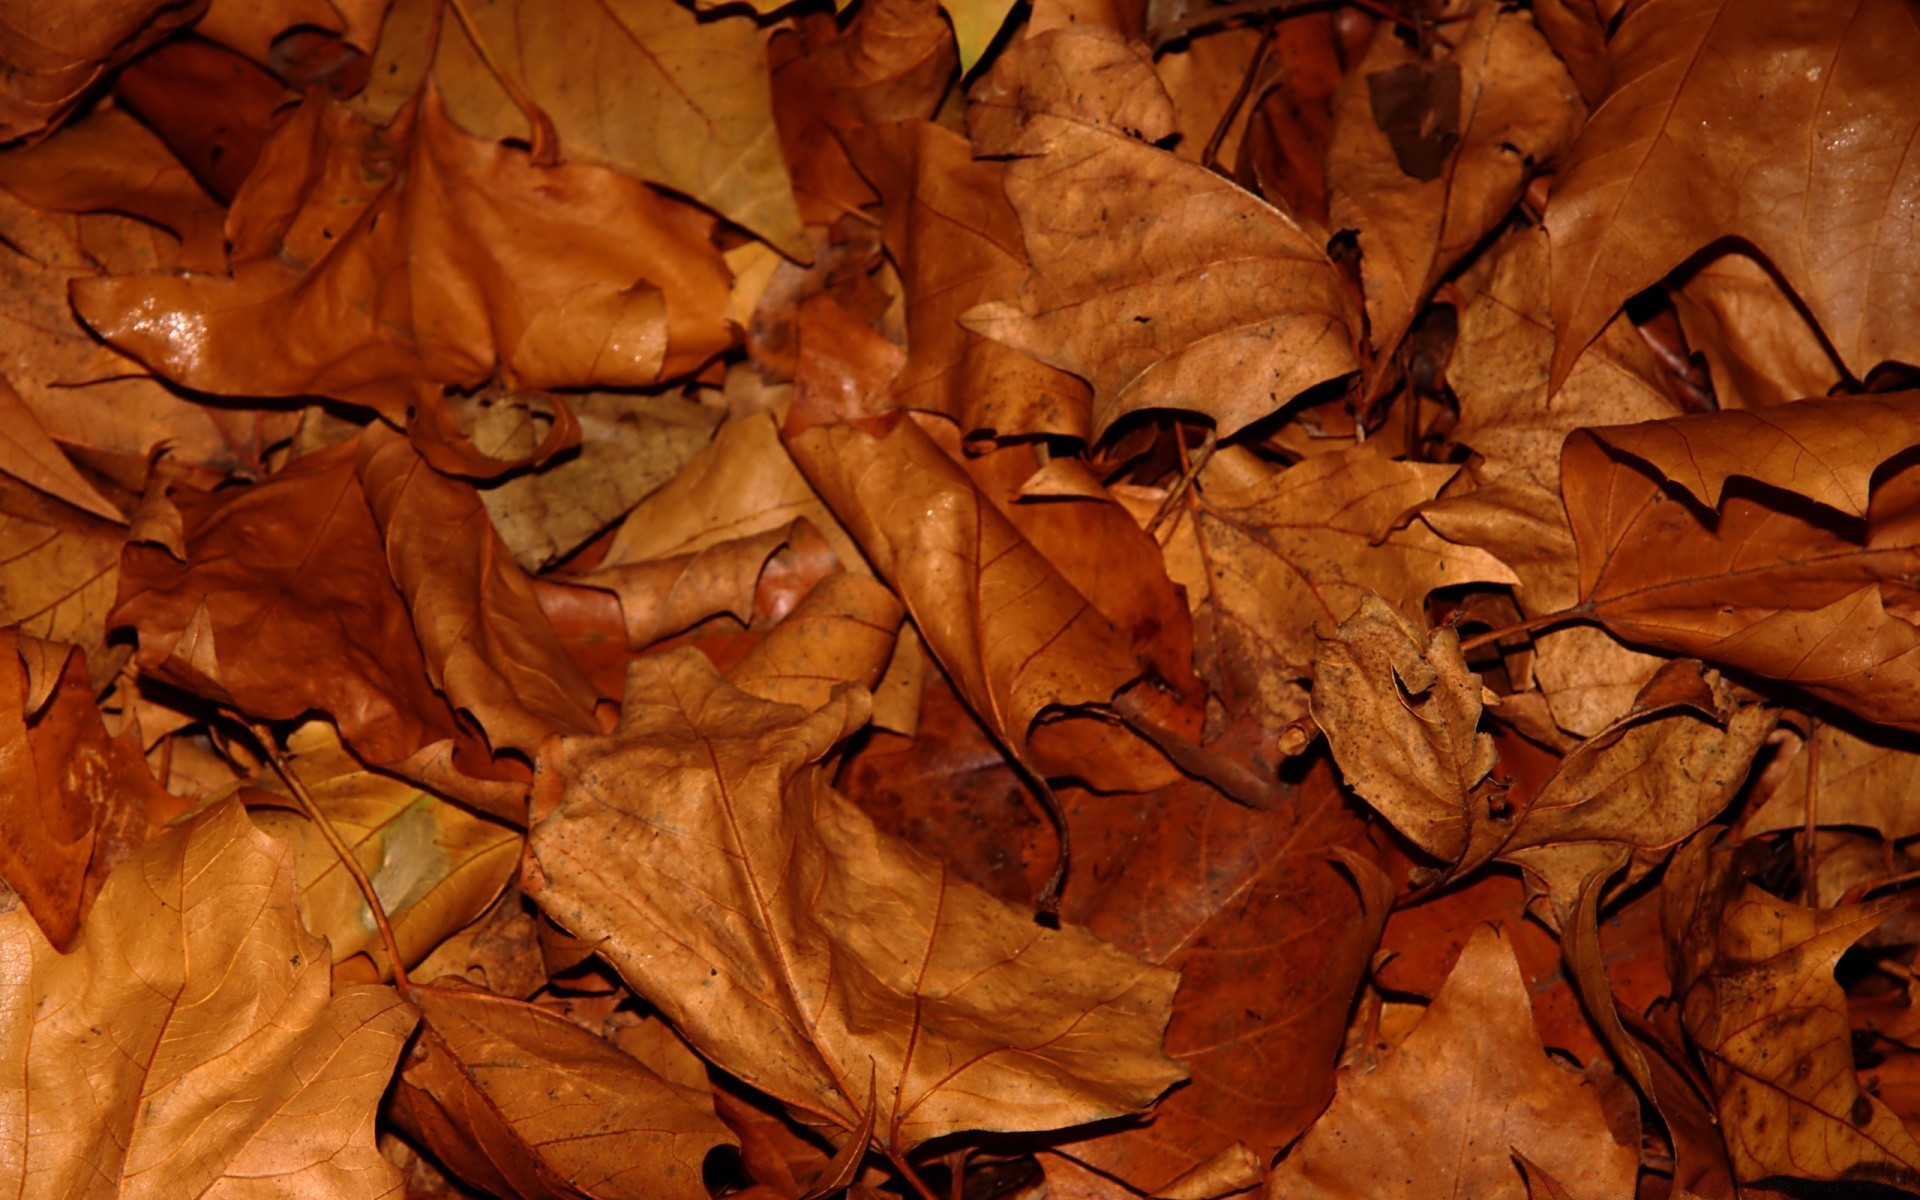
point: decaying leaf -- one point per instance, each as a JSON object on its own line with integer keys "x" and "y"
{"x": 1450, "y": 1107}
{"x": 189, "y": 1042}
{"x": 808, "y": 954}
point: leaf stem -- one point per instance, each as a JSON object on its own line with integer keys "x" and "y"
{"x": 907, "y": 1173}
{"x": 544, "y": 140}
{"x": 1579, "y": 612}
{"x": 311, "y": 808}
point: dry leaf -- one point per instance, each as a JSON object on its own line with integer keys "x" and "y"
{"x": 810, "y": 955}
{"x": 189, "y": 1043}
{"x": 522, "y": 1102}
{"x": 1451, "y": 1105}
{"x": 55, "y": 56}
{"x": 843, "y": 631}
{"x": 1760, "y": 345}
{"x": 1518, "y": 111}
{"x": 58, "y": 573}
{"x": 1848, "y": 778}
{"x": 1807, "y": 106}
{"x": 564, "y": 295}
{"x": 1757, "y": 993}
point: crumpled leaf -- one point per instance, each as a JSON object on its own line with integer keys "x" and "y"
{"x": 645, "y": 87}
{"x": 1160, "y": 283}
{"x": 55, "y": 55}
{"x": 1191, "y": 880}
{"x": 1518, "y": 111}
{"x": 664, "y": 596}
{"x": 284, "y": 604}
{"x": 1402, "y": 715}
{"x": 1448, "y": 1109}
{"x": 562, "y": 276}
{"x": 189, "y": 1045}
{"x": 1807, "y": 106}
{"x": 489, "y": 647}
{"x": 836, "y": 970}
{"x": 1289, "y": 549}
{"x": 1012, "y": 632}
{"x": 1758, "y": 997}
{"x": 949, "y": 226}
{"x": 842, "y": 631}
{"x": 434, "y": 865}
{"x": 522, "y": 1102}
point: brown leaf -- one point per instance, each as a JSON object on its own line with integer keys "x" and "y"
{"x": 523, "y": 1102}
{"x": 1760, "y": 1002}
{"x": 210, "y": 105}
{"x": 1161, "y": 284}
{"x": 1759, "y": 344}
{"x": 29, "y": 455}
{"x": 842, "y": 631}
{"x": 1759, "y": 590}
{"x": 1289, "y": 549}
{"x": 1468, "y": 1088}
{"x": 1518, "y": 111}
{"x": 1806, "y": 106}
{"x": 189, "y": 1044}
{"x": 1865, "y": 778}
{"x": 948, "y": 223}
{"x": 284, "y": 604}
{"x": 434, "y": 865}
{"x": 1401, "y": 714}
{"x": 55, "y": 56}
{"x": 626, "y": 85}
{"x": 490, "y": 263}
{"x": 664, "y": 596}
{"x": 1068, "y": 74}
{"x": 489, "y": 647}
{"x": 1270, "y": 917}
{"x": 1012, "y": 632}
{"x": 972, "y": 1016}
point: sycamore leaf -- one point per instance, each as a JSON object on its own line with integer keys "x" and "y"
{"x": 562, "y": 276}
{"x": 284, "y": 604}
{"x": 1775, "y": 591}
{"x": 948, "y": 223}
{"x": 807, "y": 953}
{"x": 1808, "y": 106}
{"x": 489, "y": 646}
{"x": 434, "y": 865}
{"x": 1221, "y": 892}
{"x": 1013, "y": 633}
{"x": 54, "y": 56}
{"x": 189, "y": 1046}
{"x": 1448, "y": 1109}
{"x": 1755, "y": 982}
{"x": 1518, "y": 111}
{"x": 1160, "y": 283}
{"x": 645, "y": 87}
{"x": 522, "y": 1102}
{"x": 1289, "y": 549}
{"x": 1848, "y": 777}
{"x": 1402, "y": 714}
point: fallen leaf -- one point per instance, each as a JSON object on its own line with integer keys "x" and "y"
{"x": 29, "y": 455}
{"x": 1223, "y": 893}
{"x": 967, "y": 1014}
{"x": 564, "y": 296}
{"x": 1450, "y": 1106}
{"x": 1161, "y": 284}
{"x": 1807, "y": 106}
{"x": 947, "y": 221}
{"x": 1760, "y": 345}
{"x": 55, "y": 57}
{"x": 1846, "y": 777}
{"x": 434, "y": 865}
{"x": 1759, "y": 1000}
{"x": 210, "y": 105}
{"x": 522, "y": 1102}
{"x": 843, "y": 631}
{"x": 189, "y": 1042}
{"x": 625, "y": 84}
{"x": 488, "y": 645}
{"x": 1518, "y": 112}
{"x": 1291, "y": 548}
{"x": 1402, "y": 713}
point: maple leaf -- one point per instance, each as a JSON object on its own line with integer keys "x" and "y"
{"x": 189, "y": 1042}
{"x": 1468, "y": 1088}
{"x": 840, "y": 972}
{"x": 1805, "y": 106}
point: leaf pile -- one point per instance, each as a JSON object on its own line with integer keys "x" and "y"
{"x": 957, "y": 600}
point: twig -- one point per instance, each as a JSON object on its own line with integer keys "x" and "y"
{"x": 1189, "y": 471}
{"x": 1579, "y": 612}
{"x": 1210, "y": 157}
{"x": 311, "y": 808}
